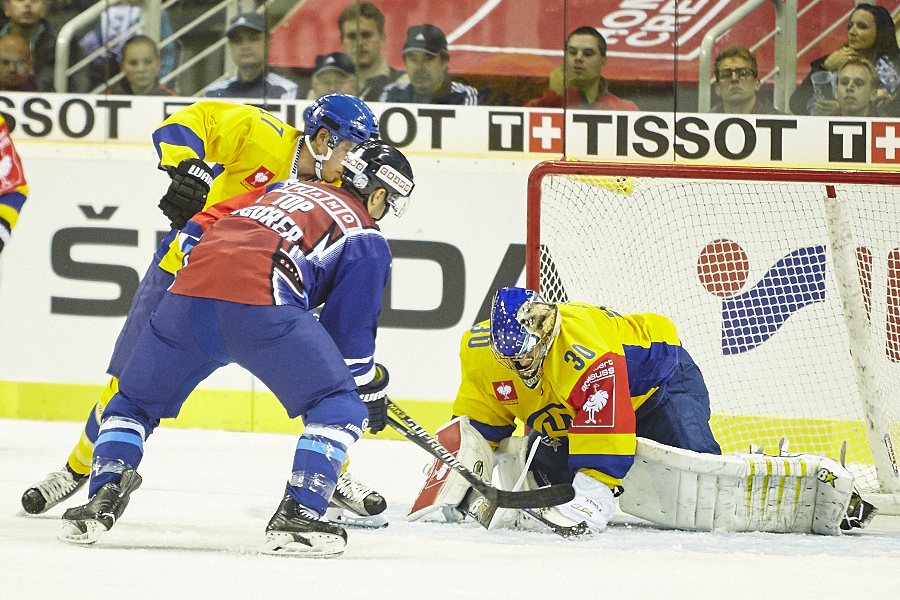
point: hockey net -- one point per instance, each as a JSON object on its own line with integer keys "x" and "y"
{"x": 784, "y": 285}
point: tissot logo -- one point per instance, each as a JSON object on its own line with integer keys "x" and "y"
{"x": 847, "y": 141}
{"x": 885, "y": 142}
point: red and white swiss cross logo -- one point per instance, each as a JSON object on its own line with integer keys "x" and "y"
{"x": 885, "y": 142}
{"x": 505, "y": 392}
{"x": 545, "y": 132}
{"x": 261, "y": 177}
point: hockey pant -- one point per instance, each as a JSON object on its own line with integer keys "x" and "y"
{"x": 285, "y": 347}
{"x": 677, "y": 415}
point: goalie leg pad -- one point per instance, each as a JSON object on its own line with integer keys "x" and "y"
{"x": 688, "y": 490}
{"x": 509, "y": 462}
{"x": 445, "y": 486}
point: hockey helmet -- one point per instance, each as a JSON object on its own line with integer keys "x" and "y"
{"x": 345, "y": 117}
{"x": 374, "y": 164}
{"x": 523, "y": 327}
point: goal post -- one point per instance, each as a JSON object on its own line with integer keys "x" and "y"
{"x": 784, "y": 285}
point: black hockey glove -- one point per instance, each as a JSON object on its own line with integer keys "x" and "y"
{"x": 186, "y": 195}
{"x": 374, "y": 394}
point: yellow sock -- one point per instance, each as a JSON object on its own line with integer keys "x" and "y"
{"x": 80, "y": 459}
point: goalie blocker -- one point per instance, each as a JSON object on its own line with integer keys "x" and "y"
{"x": 678, "y": 488}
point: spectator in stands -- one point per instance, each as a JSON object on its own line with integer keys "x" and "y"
{"x": 856, "y": 90}
{"x": 16, "y": 66}
{"x": 140, "y": 66}
{"x": 870, "y": 35}
{"x": 362, "y": 36}
{"x": 333, "y": 74}
{"x": 584, "y": 86}
{"x": 248, "y": 41}
{"x": 27, "y": 18}
{"x": 427, "y": 66}
{"x": 737, "y": 83}
{"x": 118, "y": 23}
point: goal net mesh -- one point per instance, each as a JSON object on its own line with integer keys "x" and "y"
{"x": 745, "y": 270}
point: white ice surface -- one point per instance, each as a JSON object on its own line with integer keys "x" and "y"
{"x": 192, "y": 530}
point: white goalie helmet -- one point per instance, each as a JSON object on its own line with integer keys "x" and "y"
{"x": 523, "y": 327}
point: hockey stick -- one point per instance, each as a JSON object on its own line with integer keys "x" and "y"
{"x": 548, "y": 496}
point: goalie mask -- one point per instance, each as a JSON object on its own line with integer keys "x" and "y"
{"x": 344, "y": 117}
{"x": 523, "y": 327}
{"x": 374, "y": 164}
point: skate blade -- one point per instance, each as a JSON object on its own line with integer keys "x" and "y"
{"x": 87, "y": 533}
{"x": 346, "y": 518}
{"x": 303, "y": 545}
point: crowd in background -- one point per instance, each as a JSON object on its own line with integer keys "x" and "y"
{"x": 858, "y": 79}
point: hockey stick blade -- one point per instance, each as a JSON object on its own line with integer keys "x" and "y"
{"x": 539, "y": 498}
{"x": 579, "y": 531}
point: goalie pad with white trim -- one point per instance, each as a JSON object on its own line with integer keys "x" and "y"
{"x": 446, "y": 487}
{"x": 741, "y": 492}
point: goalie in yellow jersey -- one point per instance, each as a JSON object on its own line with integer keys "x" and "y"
{"x": 247, "y": 148}
{"x": 614, "y": 401}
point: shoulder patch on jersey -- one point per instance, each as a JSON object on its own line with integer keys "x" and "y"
{"x": 594, "y": 396}
{"x": 505, "y": 391}
{"x": 259, "y": 178}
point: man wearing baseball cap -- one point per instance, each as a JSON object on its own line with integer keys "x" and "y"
{"x": 426, "y": 57}
{"x": 248, "y": 41}
{"x": 332, "y": 74}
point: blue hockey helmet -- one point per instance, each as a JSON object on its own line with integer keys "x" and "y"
{"x": 345, "y": 117}
{"x": 523, "y": 327}
{"x": 375, "y": 164}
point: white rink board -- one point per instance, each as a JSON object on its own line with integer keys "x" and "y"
{"x": 481, "y": 219}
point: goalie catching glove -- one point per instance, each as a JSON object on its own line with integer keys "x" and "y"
{"x": 374, "y": 394}
{"x": 594, "y": 502}
{"x": 187, "y": 192}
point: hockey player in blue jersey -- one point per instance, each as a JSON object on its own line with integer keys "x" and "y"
{"x": 286, "y": 250}
{"x": 248, "y": 148}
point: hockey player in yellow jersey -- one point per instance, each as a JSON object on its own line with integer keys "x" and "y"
{"x": 247, "y": 147}
{"x": 587, "y": 380}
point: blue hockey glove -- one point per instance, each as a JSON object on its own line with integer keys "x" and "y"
{"x": 374, "y": 394}
{"x": 187, "y": 193}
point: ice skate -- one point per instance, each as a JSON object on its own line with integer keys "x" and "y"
{"x": 294, "y": 530}
{"x": 56, "y": 487}
{"x": 85, "y": 524}
{"x": 859, "y": 513}
{"x": 354, "y": 504}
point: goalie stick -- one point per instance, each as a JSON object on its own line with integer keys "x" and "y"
{"x": 541, "y": 497}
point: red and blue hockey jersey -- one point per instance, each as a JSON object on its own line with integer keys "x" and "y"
{"x": 294, "y": 243}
